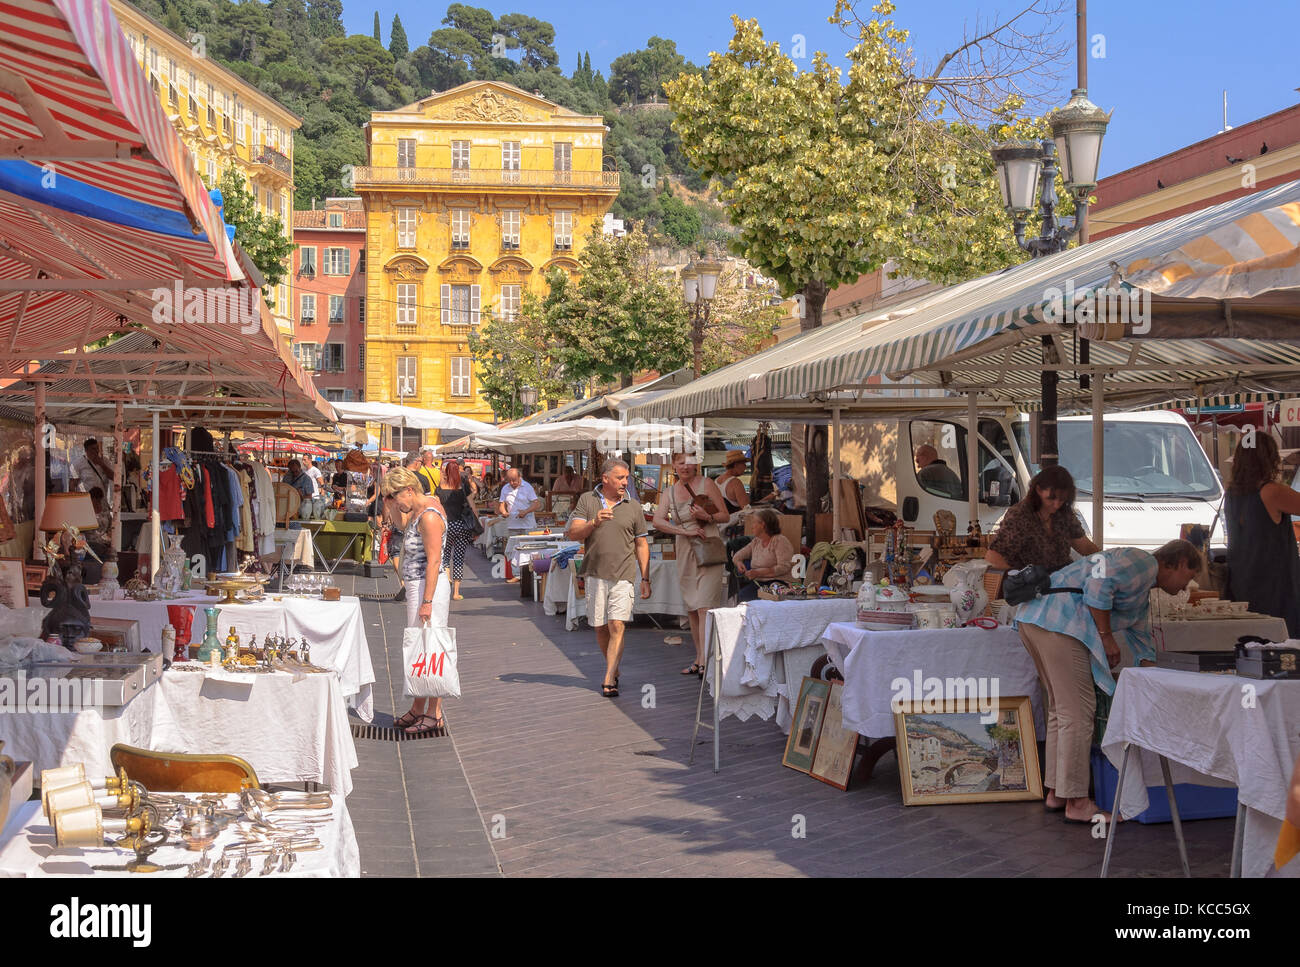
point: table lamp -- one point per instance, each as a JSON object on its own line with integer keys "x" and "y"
{"x": 69, "y": 514}
{"x": 62, "y": 592}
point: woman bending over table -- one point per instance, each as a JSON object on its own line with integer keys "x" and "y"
{"x": 428, "y": 590}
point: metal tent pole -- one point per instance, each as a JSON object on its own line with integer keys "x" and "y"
{"x": 972, "y": 456}
{"x": 1098, "y": 462}
{"x": 835, "y": 477}
{"x": 119, "y": 432}
{"x": 38, "y": 545}
{"x": 155, "y": 521}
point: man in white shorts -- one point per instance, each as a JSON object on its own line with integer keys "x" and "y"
{"x": 612, "y": 527}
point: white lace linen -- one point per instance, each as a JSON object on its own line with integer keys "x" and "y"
{"x": 1199, "y": 724}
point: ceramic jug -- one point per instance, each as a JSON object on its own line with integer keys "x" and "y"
{"x": 969, "y": 600}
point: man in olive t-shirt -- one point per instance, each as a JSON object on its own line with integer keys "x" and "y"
{"x": 613, "y": 530}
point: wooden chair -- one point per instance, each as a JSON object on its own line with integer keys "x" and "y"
{"x": 183, "y": 771}
{"x": 287, "y": 502}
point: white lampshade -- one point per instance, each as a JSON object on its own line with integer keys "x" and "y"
{"x": 1019, "y": 165}
{"x": 528, "y": 396}
{"x": 1078, "y": 130}
{"x": 690, "y": 285}
{"x": 709, "y": 272}
{"x": 69, "y": 510}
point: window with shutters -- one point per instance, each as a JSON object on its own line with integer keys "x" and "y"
{"x": 563, "y": 162}
{"x": 336, "y": 310}
{"x": 282, "y": 299}
{"x": 460, "y": 375}
{"x": 406, "y": 377}
{"x": 508, "y": 304}
{"x": 460, "y": 305}
{"x": 212, "y": 173}
{"x": 406, "y": 228}
{"x": 337, "y": 261}
{"x": 406, "y": 304}
{"x": 154, "y": 85}
{"x": 361, "y": 262}
{"x": 241, "y": 133}
{"x": 171, "y": 70}
{"x": 510, "y": 155}
{"x": 335, "y": 396}
{"x": 563, "y": 231}
{"x": 460, "y": 155}
{"x": 172, "y": 97}
{"x": 307, "y": 260}
{"x": 460, "y": 222}
{"x": 406, "y": 152}
{"x": 212, "y": 116}
{"x": 332, "y": 359}
{"x": 308, "y": 354}
{"x": 361, "y": 311}
{"x": 192, "y": 106}
{"x": 336, "y": 219}
{"x": 361, "y": 358}
{"x": 257, "y": 130}
{"x": 308, "y": 309}
{"x": 153, "y": 59}
{"x": 510, "y": 220}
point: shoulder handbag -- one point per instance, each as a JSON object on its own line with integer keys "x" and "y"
{"x": 1021, "y": 587}
{"x": 429, "y": 662}
{"x": 708, "y": 551}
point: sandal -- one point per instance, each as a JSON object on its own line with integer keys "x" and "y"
{"x": 406, "y": 721}
{"x": 415, "y": 728}
{"x": 695, "y": 669}
{"x": 610, "y": 691}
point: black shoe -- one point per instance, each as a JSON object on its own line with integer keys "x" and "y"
{"x": 400, "y": 595}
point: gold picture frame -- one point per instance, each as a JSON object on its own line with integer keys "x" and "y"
{"x": 806, "y": 727}
{"x": 954, "y": 756}
{"x": 836, "y": 746}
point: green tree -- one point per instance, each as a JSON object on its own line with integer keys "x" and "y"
{"x": 518, "y": 352}
{"x": 364, "y": 60}
{"x": 640, "y": 75}
{"x": 324, "y": 17}
{"x": 376, "y": 33}
{"x": 678, "y": 220}
{"x": 398, "y": 45}
{"x": 741, "y": 316}
{"x": 621, "y": 316}
{"x": 536, "y": 38}
{"x": 475, "y": 21}
{"x": 260, "y": 236}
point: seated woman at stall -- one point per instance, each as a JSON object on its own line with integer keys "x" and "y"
{"x": 1041, "y": 529}
{"x": 768, "y": 557}
{"x": 1263, "y": 567}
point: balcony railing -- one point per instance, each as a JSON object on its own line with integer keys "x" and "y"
{"x": 274, "y": 159}
{"x": 371, "y": 176}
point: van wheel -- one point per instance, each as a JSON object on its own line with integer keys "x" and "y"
{"x": 825, "y": 669}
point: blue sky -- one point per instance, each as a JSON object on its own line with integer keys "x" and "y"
{"x": 1166, "y": 65}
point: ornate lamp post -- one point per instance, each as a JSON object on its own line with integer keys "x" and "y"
{"x": 528, "y": 397}
{"x": 699, "y": 286}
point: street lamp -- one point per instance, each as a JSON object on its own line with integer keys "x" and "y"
{"x": 528, "y": 398}
{"x": 699, "y": 286}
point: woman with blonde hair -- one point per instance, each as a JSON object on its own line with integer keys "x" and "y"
{"x": 428, "y": 599}
{"x": 692, "y": 508}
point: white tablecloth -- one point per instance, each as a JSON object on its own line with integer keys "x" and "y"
{"x": 1218, "y": 634}
{"x": 493, "y": 532}
{"x": 334, "y": 629}
{"x": 29, "y": 849}
{"x": 751, "y": 638}
{"x": 870, "y": 661}
{"x": 290, "y": 728}
{"x": 297, "y": 545}
{"x": 554, "y": 543}
{"x": 1199, "y": 724}
{"x": 665, "y": 594}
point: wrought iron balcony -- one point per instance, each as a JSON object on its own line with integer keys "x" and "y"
{"x": 370, "y": 176}
{"x": 275, "y": 160}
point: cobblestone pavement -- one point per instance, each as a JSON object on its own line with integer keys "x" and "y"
{"x": 542, "y": 776}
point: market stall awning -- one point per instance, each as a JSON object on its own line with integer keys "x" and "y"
{"x": 608, "y": 436}
{"x": 407, "y": 417}
{"x": 1218, "y": 286}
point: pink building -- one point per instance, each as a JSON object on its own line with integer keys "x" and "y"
{"x": 329, "y": 297}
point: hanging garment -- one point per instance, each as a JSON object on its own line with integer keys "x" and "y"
{"x": 169, "y": 494}
{"x": 245, "y": 541}
{"x": 265, "y": 502}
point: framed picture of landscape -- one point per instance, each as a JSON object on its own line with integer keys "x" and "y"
{"x": 954, "y": 756}
{"x": 806, "y": 728}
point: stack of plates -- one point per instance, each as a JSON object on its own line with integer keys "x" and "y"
{"x": 885, "y": 620}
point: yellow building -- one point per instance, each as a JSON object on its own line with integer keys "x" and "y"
{"x": 472, "y": 195}
{"x": 222, "y": 119}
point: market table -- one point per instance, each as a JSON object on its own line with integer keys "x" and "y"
{"x": 337, "y": 539}
{"x": 871, "y": 661}
{"x": 292, "y": 728}
{"x": 334, "y": 629}
{"x": 554, "y": 543}
{"x": 1199, "y": 726}
{"x": 1213, "y": 634}
{"x": 665, "y": 594}
{"x": 494, "y": 529}
{"x": 28, "y": 848}
{"x": 755, "y": 649}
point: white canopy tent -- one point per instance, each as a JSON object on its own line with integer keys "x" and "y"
{"x": 407, "y": 417}
{"x": 608, "y": 436}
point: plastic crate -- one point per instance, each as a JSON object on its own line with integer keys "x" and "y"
{"x": 1194, "y": 802}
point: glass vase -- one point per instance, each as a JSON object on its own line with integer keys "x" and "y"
{"x": 211, "y": 643}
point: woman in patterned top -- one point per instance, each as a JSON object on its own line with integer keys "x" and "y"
{"x": 1042, "y": 528}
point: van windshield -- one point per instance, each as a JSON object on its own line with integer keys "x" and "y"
{"x": 1142, "y": 460}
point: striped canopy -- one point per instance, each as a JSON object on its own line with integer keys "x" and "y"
{"x": 105, "y": 228}
{"x": 1220, "y": 289}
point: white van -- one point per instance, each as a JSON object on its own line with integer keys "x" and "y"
{"x": 1157, "y": 476}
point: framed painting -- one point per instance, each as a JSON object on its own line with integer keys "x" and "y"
{"x": 806, "y": 728}
{"x": 13, "y": 582}
{"x": 837, "y": 746}
{"x": 957, "y": 756}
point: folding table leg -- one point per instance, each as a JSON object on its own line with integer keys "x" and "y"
{"x": 1114, "y": 810}
{"x": 1173, "y": 811}
{"x": 699, "y": 702}
{"x": 1238, "y": 840}
{"x": 716, "y": 655}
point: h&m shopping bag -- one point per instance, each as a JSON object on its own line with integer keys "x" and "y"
{"x": 429, "y": 657}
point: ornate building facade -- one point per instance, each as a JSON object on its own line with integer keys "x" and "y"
{"x": 222, "y": 119}
{"x": 472, "y": 196}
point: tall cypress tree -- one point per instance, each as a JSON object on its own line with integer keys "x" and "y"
{"x": 377, "y": 37}
{"x": 398, "y": 45}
